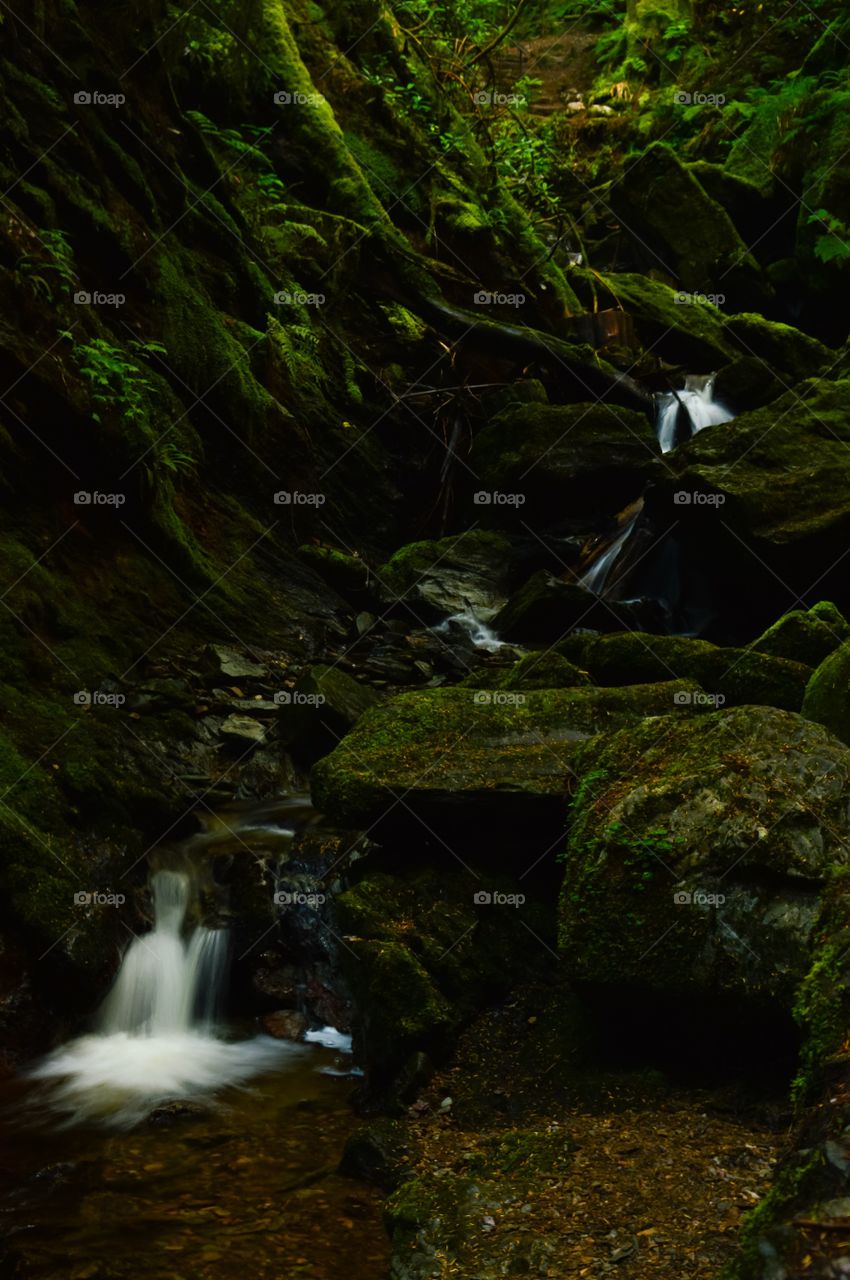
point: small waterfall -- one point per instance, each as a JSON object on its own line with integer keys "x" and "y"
{"x": 596, "y": 577}
{"x": 681, "y": 414}
{"x": 479, "y": 633}
{"x": 157, "y": 1038}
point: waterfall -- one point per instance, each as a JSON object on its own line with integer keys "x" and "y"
{"x": 479, "y": 633}
{"x": 595, "y": 578}
{"x": 157, "y": 1038}
{"x": 682, "y": 414}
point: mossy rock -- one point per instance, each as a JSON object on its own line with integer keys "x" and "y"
{"x": 544, "y": 671}
{"x": 450, "y": 575}
{"x": 748, "y": 383}
{"x": 424, "y": 955}
{"x": 323, "y": 706}
{"x": 698, "y": 854}
{"x": 545, "y": 608}
{"x": 464, "y": 759}
{"x": 660, "y": 203}
{"x": 781, "y": 478}
{"x": 792, "y": 352}
{"x": 688, "y": 334}
{"x": 827, "y": 698}
{"x": 805, "y": 635}
{"x": 345, "y": 573}
{"x": 731, "y": 676}
{"x": 565, "y": 462}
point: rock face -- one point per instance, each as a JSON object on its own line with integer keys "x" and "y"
{"x": 565, "y": 462}
{"x": 323, "y": 706}
{"x": 698, "y": 854}
{"x": 732, "y": 676}
{"x": 767, "y": 497}
{"x": 806, "y": 636}
{"x": 468, "y": 571}
{"x": 545, "y": 608}
{"x": 456, "y": 760}
{"x": 827, "y": 698}
{"x": 660, "y": 203}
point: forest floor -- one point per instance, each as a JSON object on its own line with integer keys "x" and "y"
{"x": 654, "y": 1176}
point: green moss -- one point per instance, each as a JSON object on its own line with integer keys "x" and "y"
{"x": 807, "y": 636}
{"x": 346, "y": 573}
{"x": 827, "y": 697}
{"x": 543, "y": 671}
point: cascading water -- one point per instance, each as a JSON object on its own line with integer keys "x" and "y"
{"x": 596, "y": 577}
{"x": 157, "y": 1036}
{"x": 682, "y": 414}
{"x": 479, "y": 633}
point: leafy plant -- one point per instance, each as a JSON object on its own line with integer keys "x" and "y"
{"x": 834, "y": 244}
{"x": 49, "y": 270}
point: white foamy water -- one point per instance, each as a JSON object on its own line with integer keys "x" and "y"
{"x": 330, "y": 1038}
{"x": 156, "y": 1038}
{"x": 479, "y": 633}
{"x": 596, "y": 577}
{"x": 697, "y": 400}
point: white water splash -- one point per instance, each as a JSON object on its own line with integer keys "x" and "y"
{"x": 697, "y": 400}
{"x": 479, "y": 633}
{"x": 595, "y": 578}
{"x": 157, "y": 1038}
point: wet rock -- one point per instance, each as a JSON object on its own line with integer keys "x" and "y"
{"x": 732, "y": 676}
{"x": 229, "y": 662}
{"x": 807, "y": 636}
{"x": 467, "y": 759}
{"x": 699, "y": 851}
{"x": 364, "y": 622}
{"x": 177, "y": 1112}
{"x": 322, "y": 707}
{"x": 660, "y": 202}
{"x": 433, "y": 580}
{"x": 545, "y": 608}
{"x": 794, "y": 353}
{"x": 285, "y": 1024}
{"x": 243, "y": 730}
{"x": 375, "y": 1153}
{"x": 347, "y": 574}
{"x": 555, "y": 464}
{"x": 827, "y": 699}
{"x": 748, "y": 383}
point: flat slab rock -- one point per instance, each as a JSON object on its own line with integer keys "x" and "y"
{"x": 464, "y": 754}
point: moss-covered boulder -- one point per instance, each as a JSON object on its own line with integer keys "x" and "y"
{"x": 762, "y": 504}
{"x": 687, "y": 333}
{"x": 805, "y": 635}
{"x": 827, "y": 697}
{"x": 730, "y": 676}
{"x": 425, "y": 949}
{"x": 698, "y": 853}
{"x": 660, "y": 203}
{"x": 748, "y": 383}
{"x": 435, "y": 579}
{"x": 322, "y": 707}
{"x": 347, "y": 574}
{"x": 544, "y": 671}
{"x": 465, "y": 760}
{"x": 793, "y": 353}
{"x": 561, "y": 463}
{"x": 545, "y": 608}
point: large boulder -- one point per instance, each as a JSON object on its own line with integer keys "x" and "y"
{"x": 545, "y": 608}
{"x": 730, "y": 676}
{"x": 698, "y": 854}
{"x": 762, "y": 504}
{"x": 805, "y": 635}
{"x": 435, "y": 579}
{"x": 320, "y": 709}
{"x": 794, "y": 353}
{"x": 659, "y": 203}
{"x": 827, "y": 698}
{"x": 465, "y": 762}
{"x": 562, "y": 463}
